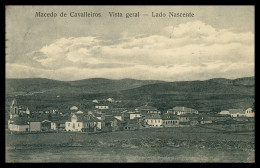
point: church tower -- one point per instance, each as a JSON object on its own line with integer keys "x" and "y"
{"x": 14, "y": 112}
{"x": 27, "y": 111}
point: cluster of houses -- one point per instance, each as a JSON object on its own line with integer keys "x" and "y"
{"x": 238, "y": 112}
{"x": 102, "y": 118}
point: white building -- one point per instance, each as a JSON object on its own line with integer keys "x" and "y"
{"x": 182, "y": 110}
{"x": 95, "y": 101}
{"x": 101, "y": 107}
{"x": 18, "y": 126}
{"x": 249, "y": 112}
{"x": 154, "y": 120}
{"x": 79, "y": 112}
{"x": 224, "y": 112}
{"x": 170, "y": 120}
{"x": 111, "y": 100}
{"x": 237, "y": 112}
{"x": 74, "y": 108}
{"x": 241, "y": 113}
{"x": 81, "y": 123}
{"x": 135, "y": 115}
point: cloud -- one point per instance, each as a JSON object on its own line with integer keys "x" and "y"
{"x": 192, "y": 50}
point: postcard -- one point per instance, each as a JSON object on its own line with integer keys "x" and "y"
{"x": 128, "y": 84}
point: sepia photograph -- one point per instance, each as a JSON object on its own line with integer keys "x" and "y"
{"x": 130, "y": 84}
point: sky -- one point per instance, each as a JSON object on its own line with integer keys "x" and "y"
{"x": 218, "y": 42}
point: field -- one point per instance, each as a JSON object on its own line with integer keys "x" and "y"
{"x": 151, "y": 145}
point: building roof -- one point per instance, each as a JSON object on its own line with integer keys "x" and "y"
{"x": 169, "y": 117}
{"x": 187, "y": 115}
{"x": 39, "y": 118}
{"x": 79, "y": 112}
{"x": 20, "y": 121}
{"x": 74, "y": 108}
{"x": 132, "y": 123}
{"x": 25, "y": 120}
{"x": 109, "y": 118}
{"x": 86, "y": 118}
{"x": 234, "y": 111}
{"x": 185, "y": 109}
{"x": 153, "y": 116}
{"x": 44, "y": 121}
{"x": 224, "y": 112}
{"x": 97, "y": 115}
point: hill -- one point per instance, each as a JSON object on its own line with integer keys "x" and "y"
{"x": 101, "y": 85}
{"x": 92, "y": 85}
{"x": 209, "y": 95}
{"x": 31, "y": 85}
{"x": 248, "y": 81}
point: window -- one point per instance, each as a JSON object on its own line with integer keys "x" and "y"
{"x": 68, "y": 124}
{"x": 151, "y": 121}
{"x": 73, "y": 126}
{"x": 155, "y": 121}
{"x": 78, "y": 124}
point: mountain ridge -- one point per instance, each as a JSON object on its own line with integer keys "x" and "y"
{"x": 202, "y": 95}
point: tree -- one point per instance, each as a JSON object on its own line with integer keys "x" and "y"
{"x": 253, "y": 107}
{"x": 49, "y": 116}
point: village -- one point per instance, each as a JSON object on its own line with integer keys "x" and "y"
{"x": 103, "y": 118}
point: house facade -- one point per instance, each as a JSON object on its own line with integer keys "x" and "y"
{"x": 170, "y": 120}
{"x": 18, "y": 125}
{"x": 153, "y": 120}
{"x": 111, "y": 124}
{"x": 241, "y": 113}
{"x": 237, "y": 112}
{"x": 46, "y": 125}
{"x": 81, "y": 123}
{"x": 135, "y": 115}
{"x": 35, "y": 126}
{"x": 102, "y": 107}
{"x": 146, "y": 109}
{"x": 182, "y": 110}
{"x": 58, "y": 125}
{"x": 132, "y": 125}
{"x": 249, "y": 112}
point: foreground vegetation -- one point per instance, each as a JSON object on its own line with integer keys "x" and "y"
{"x": 155, "y": 137}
